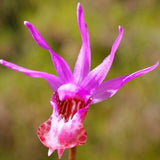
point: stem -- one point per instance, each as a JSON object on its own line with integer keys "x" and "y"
{"x": 72, "y": 154}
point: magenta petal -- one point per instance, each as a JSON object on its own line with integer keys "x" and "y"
{"x": 63, "y": 70}
{"x": 97, "y": 75}
{"x": 108, "y": 88}
{"x": 52, "y": 80}
{"x": 36, "y": 35}
{"x": 70, "y": 90}
{"x": 82, "y": 66}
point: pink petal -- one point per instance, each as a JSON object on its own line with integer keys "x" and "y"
{"x": 72, "y": 135}
{"x": 97, "y": 75}
{"x": 81, "y": 114}
{"x": 62, "y": 68}
{"x": 82, "y": 66}
{"x": 43, "y": 131}
{"x": 108, "y": 88}
{"x": 58, "y": 134}
{"x": 60, "y": 153}
{"x": 50, "y": 151}
{"x": 71, "y": 90}
{"x": 52, "y": 80}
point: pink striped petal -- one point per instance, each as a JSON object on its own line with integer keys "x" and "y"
{"x": 58, "y": 134}
{"x": 108, "y": 88}
{"x": 97, "y": 75}
{"x": 63, "y": 70}
{"x": 82, "y": 66}
{"x": 52, "y": 80}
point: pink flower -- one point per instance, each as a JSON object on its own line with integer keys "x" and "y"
{"x": 74, "y": 92}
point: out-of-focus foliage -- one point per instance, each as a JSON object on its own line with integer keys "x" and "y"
{"x": 125, "y": 127}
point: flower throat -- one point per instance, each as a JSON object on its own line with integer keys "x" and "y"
{"x": 68, "y": 107}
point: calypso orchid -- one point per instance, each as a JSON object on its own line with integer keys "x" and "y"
{"x": 74, "y": 92}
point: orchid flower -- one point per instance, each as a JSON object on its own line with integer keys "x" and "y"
{"x": 74, "y": 92}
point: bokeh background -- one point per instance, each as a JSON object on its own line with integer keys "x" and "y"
{"x": 124, "y": 127}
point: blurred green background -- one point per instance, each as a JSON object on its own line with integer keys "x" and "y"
{"x": 125, "y": 127}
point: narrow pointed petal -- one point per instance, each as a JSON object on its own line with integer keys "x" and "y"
{"x": 52, "y": 80}
{"x": 63, "y": 70}
{"x": 108, "y": 88}
{"x": 50, "y": 151}
{"x": 97, "y": 75}
{"x": 82, "y": 66}
{"x": 60, "y": 153}
{"x": 36, "y": 35}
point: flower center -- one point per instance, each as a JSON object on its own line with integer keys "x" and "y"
{"x": 67, "y": 108}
